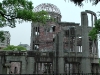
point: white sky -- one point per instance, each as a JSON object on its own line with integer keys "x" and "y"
{"x": 69, "y": 12}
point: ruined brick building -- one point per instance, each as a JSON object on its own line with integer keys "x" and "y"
{"x": 56, "y": 47}
{"x": 44, "y": 35}
{"x": 43, "y": 39}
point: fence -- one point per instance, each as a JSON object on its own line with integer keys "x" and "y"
{"x": 62, "y": 74}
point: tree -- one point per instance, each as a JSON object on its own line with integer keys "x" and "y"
{"x": 20, "y": 48}
{"x": 12, "y": 47}
{"x": 93, "y": 33}
{"x": 12, "y": 11}
{"x": 79, "y": 2}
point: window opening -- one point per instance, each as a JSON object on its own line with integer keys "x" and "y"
{"x": 53, "y": 27}
{"x": 37, "y": 30}
{"x": 53, "y": 39}
{"x": 36, "y": 46}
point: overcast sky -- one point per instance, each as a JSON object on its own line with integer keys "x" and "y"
{"x": 69, "y": 12}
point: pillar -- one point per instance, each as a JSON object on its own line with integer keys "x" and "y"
{"x": 23, "y": 65}
{"x": 85, "y": 62}
{"x": 31, "y": 65}
{"x": 53, "y": 65}
{"x": 1, "y": 65}
{"x": 32, "y": 36}
{"x": 97, "y": 43}
{"x": 60, "y": 53}
{"x": 55, "y": 59}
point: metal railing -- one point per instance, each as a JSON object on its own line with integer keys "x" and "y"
{"x": 61, "y": 74}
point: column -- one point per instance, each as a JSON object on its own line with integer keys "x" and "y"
{"x": 23, "y": 65}
{"x": 85, "y": 62}
{"x": 1, "y": 65}
{"x": 32, "y": 36}
{"x": 97, "y": 44}
{"x": 31, "y": 65}
{"x": 55, "y": 57}
{"x": 60, "y": 53}
{"x": 53, "y": 65}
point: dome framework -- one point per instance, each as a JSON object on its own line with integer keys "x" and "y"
{"x": 47, "y": 7}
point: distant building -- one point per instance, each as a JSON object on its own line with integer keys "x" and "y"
{"x": 6, "y": 42}
{"x": 25, "y": 45}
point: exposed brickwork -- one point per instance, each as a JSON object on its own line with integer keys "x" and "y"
{"x": 45, "y": 37}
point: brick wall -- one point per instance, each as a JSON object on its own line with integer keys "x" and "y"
{"x": 46, "y": 37}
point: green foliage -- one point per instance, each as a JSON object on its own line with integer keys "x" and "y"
{"x": 97, "y": 24}
{"x": 2, "y": 38}
{"x": 93, "y": 33}
{"x": 12, "y": 47}
{"x": 20, "y": 48}
{"x": 80, "y": 2}
{"x": 12, "y": 11}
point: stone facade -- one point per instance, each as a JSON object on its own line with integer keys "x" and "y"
{"x": 56, "y": 47}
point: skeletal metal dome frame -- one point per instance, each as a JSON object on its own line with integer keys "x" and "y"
{"x": 47, "y": 7}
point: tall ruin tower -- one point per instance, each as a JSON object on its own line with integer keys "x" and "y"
{"x": 42, "y": 36}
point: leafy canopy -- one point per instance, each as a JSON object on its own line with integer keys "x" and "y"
{"x": 93, "y": 33}
{"x": 12, "y": 11}
{"x": 12, "y": 47}
{"x": 80, "y": 2}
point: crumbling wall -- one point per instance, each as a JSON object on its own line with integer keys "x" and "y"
{"x": 16, "y": 63}
{"x": 45, "y": 38}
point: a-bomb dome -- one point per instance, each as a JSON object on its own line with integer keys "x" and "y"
{"x": 47, "y": 7}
